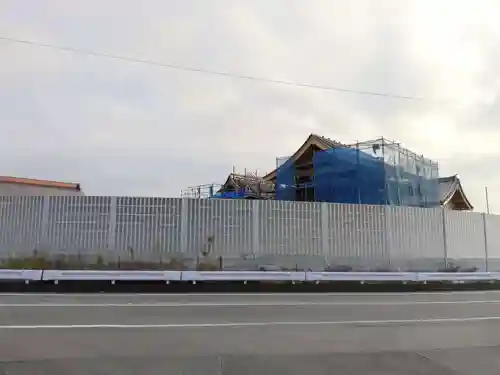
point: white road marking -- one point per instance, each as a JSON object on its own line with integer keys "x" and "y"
{"x": 253, "y": 304}
{"x": 258, "y": 324}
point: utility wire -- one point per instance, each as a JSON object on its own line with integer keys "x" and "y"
{"x": 205, "y": 71}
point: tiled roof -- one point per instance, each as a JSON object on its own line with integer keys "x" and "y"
{"x": 41, "y": 183}
{"x": 327, "y": 142}
{"x": 448, "y": 187}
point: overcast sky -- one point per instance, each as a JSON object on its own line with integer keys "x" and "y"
{"x": 124, "y": 128}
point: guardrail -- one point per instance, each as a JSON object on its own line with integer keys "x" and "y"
{"x": 24, "y": 275}
{"x": 64, "y": 275}
{"x": 244, "y": 276}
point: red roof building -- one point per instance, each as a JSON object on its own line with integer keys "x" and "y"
{"x": 34, "y": 187}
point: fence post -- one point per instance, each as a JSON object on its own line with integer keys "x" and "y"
{"x": 255, "y": 227}
{"x": 184, "y": 224}
{"x": 445, "y": 238}
{"x": 324, "y": 230}
{"x": 387, "y": 236}
{"x": 485, "y": 241}
{"x": 44, "y": 235}
{"x": 112, "y": 224}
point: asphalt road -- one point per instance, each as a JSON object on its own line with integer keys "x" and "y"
{"x": 437, "y": 333}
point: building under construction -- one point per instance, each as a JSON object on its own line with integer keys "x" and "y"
{"x": 237, "y": 186}
{"x": 376, "y": 172}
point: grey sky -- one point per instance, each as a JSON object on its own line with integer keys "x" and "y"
{"x": 130, "y": 129}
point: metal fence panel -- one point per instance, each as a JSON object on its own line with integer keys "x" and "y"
{"x": 492, "y": 233}
{"x": 218, "y": 229}
{"x": 132, "y": 232}
{"x": 20, "y": 225}
{"x": 356, "y": 237}
{"x": 415, "y": 238}
{"x": 147, "y": 229}
{"x": 76, "y": 228}
{"x": 289, "y": 235}
{"x": 465, "y": 240}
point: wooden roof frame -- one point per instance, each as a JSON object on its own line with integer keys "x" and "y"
{"x": 320, "y": 142}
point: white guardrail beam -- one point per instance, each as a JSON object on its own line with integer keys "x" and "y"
{"x": 57, "y": 275}
{"x": 242, "y": 276}
{"x": 458, "y": 276}
{"x": 361, "y": 276}
{"x": 193, "y": 276}
{"x": 24, "y": 275}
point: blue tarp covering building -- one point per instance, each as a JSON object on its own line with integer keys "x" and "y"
{"x": 344, "y": 175}
{"x": 285, "y": 182}
{"x": 230, "y": 195}
{"x": 375, "y": 172}
{"x": 347, "y": 175}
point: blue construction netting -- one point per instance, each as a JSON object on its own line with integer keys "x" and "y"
{"x": 350, "y": 175}
{"x": 285, "y": 182}
{"x": 344, "y": 175}
{"x": 230, "y": 195}
{"x": 411, "y": 179}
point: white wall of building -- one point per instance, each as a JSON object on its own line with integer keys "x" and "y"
{"x": 8, "y": 188}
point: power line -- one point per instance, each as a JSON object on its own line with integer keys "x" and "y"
{"x": 205, "y": 71}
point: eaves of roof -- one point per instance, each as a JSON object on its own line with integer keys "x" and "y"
{"x": 448, "y": 187}
{"x": 319, "y": 141}
{"x": 40, "y": 183}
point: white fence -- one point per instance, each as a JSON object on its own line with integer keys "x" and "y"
{"x": 241, "y": 234}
